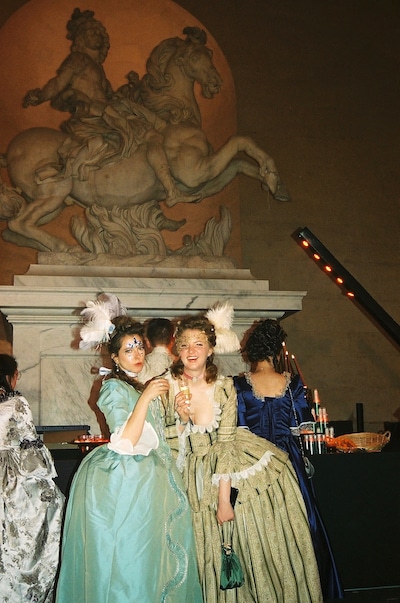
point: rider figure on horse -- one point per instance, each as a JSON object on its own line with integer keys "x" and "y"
{"x": 103, "y": 126}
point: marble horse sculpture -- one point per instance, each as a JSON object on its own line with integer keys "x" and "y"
{"x": 99, "y": 159}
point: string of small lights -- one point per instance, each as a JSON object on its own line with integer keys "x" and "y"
{"x": 346, "y": 281}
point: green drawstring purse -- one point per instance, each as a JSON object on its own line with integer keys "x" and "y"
{"x": 231, "y": 570}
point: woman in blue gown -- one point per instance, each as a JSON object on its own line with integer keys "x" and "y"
{"x": 273, "y": 406}
{"x": 128, "y": 535}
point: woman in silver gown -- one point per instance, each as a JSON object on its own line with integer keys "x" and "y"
{"x": 31, "y": 505}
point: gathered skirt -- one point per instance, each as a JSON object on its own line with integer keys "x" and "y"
{"x": 128, "y": 534}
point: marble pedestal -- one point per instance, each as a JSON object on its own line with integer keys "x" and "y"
{"x": 43, "y": 306}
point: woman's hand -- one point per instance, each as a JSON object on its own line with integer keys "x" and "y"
{"x": 134, "y": 426}
{"x": 155, "y": 387}
{"x": 182, "y": 406}
{"x": 225, "y": 512}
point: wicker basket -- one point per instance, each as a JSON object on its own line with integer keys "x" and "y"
{"x": 368, "y": 442}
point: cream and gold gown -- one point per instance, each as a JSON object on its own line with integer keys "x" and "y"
{"x": 271, "y": 534}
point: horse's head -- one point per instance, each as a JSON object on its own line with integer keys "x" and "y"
{"x": 174, "y": 65}
{"x": 195, "y": 60}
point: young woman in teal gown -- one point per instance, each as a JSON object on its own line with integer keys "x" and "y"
{"x": 128, "y": 534}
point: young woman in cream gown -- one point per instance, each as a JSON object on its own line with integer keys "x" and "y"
{"x": 270, "y": 530}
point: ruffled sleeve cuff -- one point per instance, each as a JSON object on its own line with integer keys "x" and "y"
{"x": 148, "y": 441}
{"x": 236, "y": 477}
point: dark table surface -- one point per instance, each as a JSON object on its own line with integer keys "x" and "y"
{"x": 359, "y": 498}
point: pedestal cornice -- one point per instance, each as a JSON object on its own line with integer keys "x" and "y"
{"x": 43, "y": 306}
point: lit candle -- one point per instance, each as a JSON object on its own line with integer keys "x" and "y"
{"x": 298, "y": 370}
{"x": 287, "y": 362}
{"x": 316, "y": 403}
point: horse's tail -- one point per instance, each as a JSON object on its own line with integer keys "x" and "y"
{"x": 3, "y": 160}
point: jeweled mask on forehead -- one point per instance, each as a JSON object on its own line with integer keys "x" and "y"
{"x": 134, "y": 343}
{"x": 186, "y": 338}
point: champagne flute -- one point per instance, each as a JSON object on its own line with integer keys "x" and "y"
{"x": 163, "y": 397}
{"x": 184, "y": 387}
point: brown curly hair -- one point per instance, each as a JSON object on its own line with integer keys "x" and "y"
{"x": 202, "y": 324}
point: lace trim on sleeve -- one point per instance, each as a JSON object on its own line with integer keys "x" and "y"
{"x": 148, "y": 441}
{"x": 235, "y": 477}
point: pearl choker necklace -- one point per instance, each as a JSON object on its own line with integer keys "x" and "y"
{"x": 193, "y": 379}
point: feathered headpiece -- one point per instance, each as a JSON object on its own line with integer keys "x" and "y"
{"x": 221, "y": 316}
{"x": 98, "y": 315}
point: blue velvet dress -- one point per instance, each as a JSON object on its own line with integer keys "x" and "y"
{"x": 128, "y": 535}
{"x": 272, "y": 418}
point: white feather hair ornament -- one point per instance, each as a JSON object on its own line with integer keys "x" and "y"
{"x": 97, "y": 316}
{"x": 221, "y": 316}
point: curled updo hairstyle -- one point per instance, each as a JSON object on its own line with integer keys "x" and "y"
{"x": 265, "y": 342}
{"x": 124, "y": 325}
{"x": 8, "y": 368}
{"x": 198, "y": 323}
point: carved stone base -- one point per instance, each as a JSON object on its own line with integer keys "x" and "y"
{"x": 202, "y": 262}
{"x": 43, "y": 306}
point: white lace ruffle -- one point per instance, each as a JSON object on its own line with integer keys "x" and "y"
{"x": 148, "y": 441}
{"x": 245, "y": 474}
{"x": 211, "y": 426}
{"x": 191, "y": 427}
{"x": 214, "y": 424}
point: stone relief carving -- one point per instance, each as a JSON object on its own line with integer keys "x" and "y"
{"x": 120, "y": 153}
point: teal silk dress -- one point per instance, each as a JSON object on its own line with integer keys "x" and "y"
{"x": 128, "y": 534}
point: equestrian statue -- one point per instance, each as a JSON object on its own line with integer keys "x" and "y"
{"x": 120, "y": 153}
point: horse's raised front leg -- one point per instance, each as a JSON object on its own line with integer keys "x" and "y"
{"x": 236, "y": 167}
{"x": 207, "y": 167}
{"x": 23, "y": 228}
{"x": 267, "y": 171}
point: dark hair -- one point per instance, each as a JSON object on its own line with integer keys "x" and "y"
{"x": 198, "y": 323}
{"x": 8, "y": 368}
{"x": 159, "y": 331}
{"x": 124, "y": 325}
{"x": 264, "y": 341}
